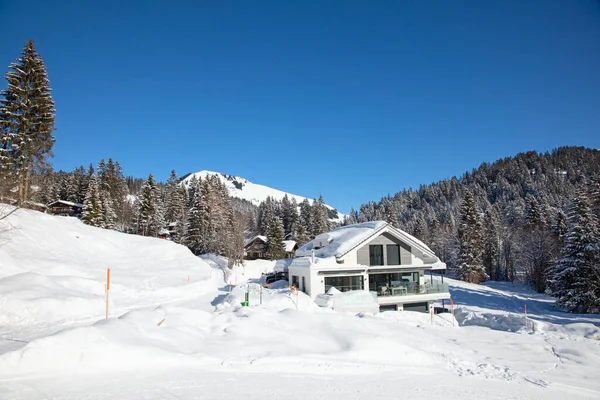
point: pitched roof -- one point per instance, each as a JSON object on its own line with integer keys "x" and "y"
{"x": 289, "y": 245}
{"x": 69, "y": 203}
{"x": 262, "y": 238}
{"x": 342, "y": 240}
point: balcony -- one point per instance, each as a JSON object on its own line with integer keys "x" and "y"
{"x": 408, "y": 288}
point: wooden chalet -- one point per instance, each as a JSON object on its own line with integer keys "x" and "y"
{"x": 65, "y": 208}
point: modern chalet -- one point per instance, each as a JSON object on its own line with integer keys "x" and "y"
{"x": 65, "y": 208}
{"x": 372, "y": 256}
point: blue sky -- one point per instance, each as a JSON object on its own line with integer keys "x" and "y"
{"x": 349, "y": 99}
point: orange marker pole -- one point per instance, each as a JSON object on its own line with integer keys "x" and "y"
{"x": 107, "y": 290}
{"x": 452, "y": 308}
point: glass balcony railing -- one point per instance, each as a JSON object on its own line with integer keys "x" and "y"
{"x": 408, "y": 288}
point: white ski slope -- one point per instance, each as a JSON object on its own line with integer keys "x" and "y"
{"x": 170, "y": 339}
{"x": 244, "y": 189}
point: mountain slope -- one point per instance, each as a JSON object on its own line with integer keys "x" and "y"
{"x": 242, "y": 188}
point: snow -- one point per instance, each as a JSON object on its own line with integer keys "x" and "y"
{"x": 289, "y": 245}
{"x": 249, "y": 191}
{"x": 341, "y": 240}
{"x": 170, "y": 338}
{"x": 69, "y": 203}
{"x": 352, "y": 301}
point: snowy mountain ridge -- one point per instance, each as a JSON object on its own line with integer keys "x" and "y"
{"x": 255, "y": 193}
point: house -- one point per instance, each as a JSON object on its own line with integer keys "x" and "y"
{"x": 65, "y": 208}
{"x": 257, "y": 248}
{"x": 370, "y": 256}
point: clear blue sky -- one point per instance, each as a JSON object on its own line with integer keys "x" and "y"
{"x": 349, "y": 99}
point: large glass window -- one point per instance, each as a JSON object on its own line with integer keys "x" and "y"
{"x": 376, "y": 254}
{"x": 344, "y": 283}
{"x": 393, "y": 254}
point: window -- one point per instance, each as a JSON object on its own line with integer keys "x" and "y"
{"x": 376, "y": 254}
{"x": 344, "y": 283}
{"x": 393, "y": 254}
{"x": 303, "y": 284}
{"x": 296, "y": 281}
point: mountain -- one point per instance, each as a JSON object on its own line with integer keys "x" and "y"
{"x": 242, "y": 188}
{"x": 525, "y": 198}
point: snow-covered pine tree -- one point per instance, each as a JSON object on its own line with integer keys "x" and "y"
{"x": 92, "y": 206}
{"x": 560, "y": 226}
{"x": 108, "y": 212}
{"x": 351, "y": 218}
{"x": 534, "y": 213}
{"x": 470, "y": 237}
{"x": 266, "y": 212}
{"x": 275, "y": 246}
{"x": 305, "y": 223}
{"x": 194, "y": 224}
{"x": 491, "y": 242}
{"x": 26, "y": 120}
{"x": 320, "y": 217}
{"x": 289, "y": 212}
{"x": 575, "y": 278}
{"x": 151, "y": 221}
{"x": 193, "y": 185}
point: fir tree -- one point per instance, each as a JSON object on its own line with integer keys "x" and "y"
{"x": 289, "y": 210}
{"x": 470, "y": 268}
{"x": 320, "y": 217}
{"x": 194, "y": 224}
{"x": 151, "y": 221}
{"x": 304, "y": 227}
{"x": 26, "y": 120}
{"x": 275, "y": 246}
{"x": 575, "y": 280}
{"x": 491, "y": 243}
{"x": 92, "y": 206}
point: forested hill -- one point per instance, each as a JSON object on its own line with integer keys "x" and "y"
{"x": 527, "y": 187}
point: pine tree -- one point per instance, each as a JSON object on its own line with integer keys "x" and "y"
{"x": 575, "y": 280}
{"x": 470, "y": 268}
{"x": 151, "y": 221}
{"x": 266, "y": 212}
{"x": 304, "y": 227}
{"x": 320, "y": 217}
{"x": 289, "y": 210}
{"x": 194, "y": 224}
{"x": 491, "y": 243}
{"x": 275, "y": 247}
{"x": 92, "y": 206}
{"x": 26, "y": 120}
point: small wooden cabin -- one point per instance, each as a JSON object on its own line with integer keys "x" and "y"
{"x": 65, "y": 208}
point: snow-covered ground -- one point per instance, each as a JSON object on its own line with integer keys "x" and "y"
{"x": 168, "y": 338}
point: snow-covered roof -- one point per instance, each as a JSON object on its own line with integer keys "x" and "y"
{"x": 261, "y": 237}
{"x": 340, "y": 241}
{"x": 289, "y": 245}
{"x": 68, "y": 203}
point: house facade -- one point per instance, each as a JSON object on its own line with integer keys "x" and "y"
{"x": 375, "y": 257}
{"x": 256, "y": 248}
{"x": 65, "y": 208}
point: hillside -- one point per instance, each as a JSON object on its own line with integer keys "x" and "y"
{"x": 526, "y": 198}
{"x": 242, "y": 188}
{"x": 167, "y": 338}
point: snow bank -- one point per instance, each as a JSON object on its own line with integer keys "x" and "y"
{"x": 353, "y": 301}
{"x": 54, "y": 271}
